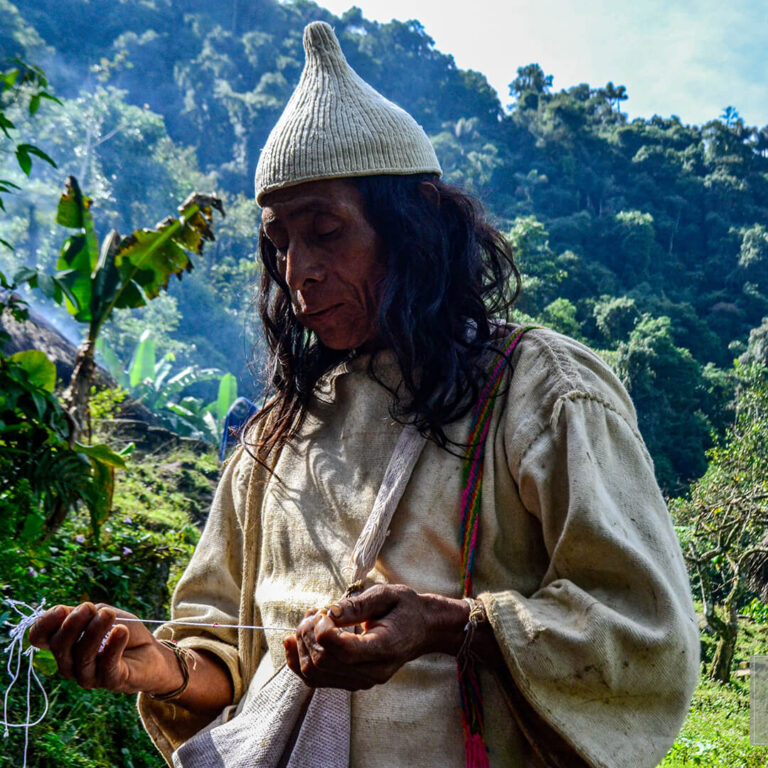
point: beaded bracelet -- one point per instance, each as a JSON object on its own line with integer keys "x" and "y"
{"x": 181, "y": 655}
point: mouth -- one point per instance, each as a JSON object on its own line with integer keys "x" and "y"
{"x": 319, "y": 314}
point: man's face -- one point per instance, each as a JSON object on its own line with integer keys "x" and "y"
{"x": 330, "y": 258}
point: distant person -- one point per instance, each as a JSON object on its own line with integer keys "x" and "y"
{"x": 567, "y": 606}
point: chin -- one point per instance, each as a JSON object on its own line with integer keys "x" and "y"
{"x": 338, "y": 345}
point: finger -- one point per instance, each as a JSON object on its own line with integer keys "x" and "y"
{"x": 85, "y": 651}
{"x": 319, "y": 640}
{"x": 61, "y": 642}
{"x": 371, "y": 604}
{"x": 48, "y": 623}
{"x": 111, "y": 657}
{"x": 306, "y": 667}
{"x": 295, "y": 651}
{"x": 292, "y": 654}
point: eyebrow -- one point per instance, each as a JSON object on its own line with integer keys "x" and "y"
{"x": 312, "y": 206}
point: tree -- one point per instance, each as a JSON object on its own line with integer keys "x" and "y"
{"x": 723, "y": 520}
{"x": 615, "y": 95}
{"x": 124, "y": 273}
{"x": 670, "y": 394}
{"x": 753, "y": 255}
{"x": 22, "y": 83}
{"x": 730, "y": 116}
{"x": 632, "y": 244}
{"x": 44, "y": 472}
{"x": 757, "y": 349}
{"x": 530, "y": 78}
{"x": 616, "y": 317}
{"x": 538, "y": 263}
{"x": 468, "y": 159}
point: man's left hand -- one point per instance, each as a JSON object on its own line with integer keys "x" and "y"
{"x": 397, "y": 623}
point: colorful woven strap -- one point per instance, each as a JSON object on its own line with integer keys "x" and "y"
{"x": 469, "y": 684}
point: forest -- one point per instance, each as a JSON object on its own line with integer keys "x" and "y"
{"x": 647, "y": 239}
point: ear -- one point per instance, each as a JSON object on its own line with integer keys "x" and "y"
{"x": 430, "y": 192}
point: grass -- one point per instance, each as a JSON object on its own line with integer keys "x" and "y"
{"x": 172, "y": 491}
{"x": 716, "y": 732}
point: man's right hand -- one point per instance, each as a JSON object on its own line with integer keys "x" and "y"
{"x": 91, "y": 648}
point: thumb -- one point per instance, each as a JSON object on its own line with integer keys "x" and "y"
{"x": 371, "y": 604}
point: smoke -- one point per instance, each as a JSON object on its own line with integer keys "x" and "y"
{"x": 58, "y": 319}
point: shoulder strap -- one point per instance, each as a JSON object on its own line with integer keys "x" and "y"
{"x": 473, "y": 457}
{"x": 475, "y": 749}
{"x": 376, "y": 528}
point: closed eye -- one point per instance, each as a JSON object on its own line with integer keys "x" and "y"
{"x": 326, "y": 225}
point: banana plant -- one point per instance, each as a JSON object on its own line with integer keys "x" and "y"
{"x": 154, "y": 383}
{"x": 125, "y": 272}
{"x": 192, "y": 417}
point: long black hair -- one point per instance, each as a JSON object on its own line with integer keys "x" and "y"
{"x": 448, "y": 273}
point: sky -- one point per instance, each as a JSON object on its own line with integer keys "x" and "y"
{"x": 689, "y": 58}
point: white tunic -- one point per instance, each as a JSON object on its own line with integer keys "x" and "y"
{"x": 578, "y": 566}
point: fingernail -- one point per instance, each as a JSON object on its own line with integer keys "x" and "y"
{"x": 335, "y": 610}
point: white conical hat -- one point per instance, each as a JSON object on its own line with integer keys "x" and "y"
{"x": 336, "y": 125}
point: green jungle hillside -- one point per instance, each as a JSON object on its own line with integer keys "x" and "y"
{"x": 647, "y": 239}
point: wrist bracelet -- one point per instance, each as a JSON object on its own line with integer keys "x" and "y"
{"x": 477, "y": 616}
{"x": 181, "y": 655}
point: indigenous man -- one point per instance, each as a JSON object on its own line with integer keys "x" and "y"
{"x": 577, "y": 639}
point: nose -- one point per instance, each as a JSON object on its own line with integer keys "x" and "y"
{"x": 303, "y": 266}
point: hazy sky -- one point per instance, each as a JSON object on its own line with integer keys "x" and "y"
{"x": 690, "y": 58}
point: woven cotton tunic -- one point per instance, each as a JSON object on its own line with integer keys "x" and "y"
{"x": 577, "y": 563}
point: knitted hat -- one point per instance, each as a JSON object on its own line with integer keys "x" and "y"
{"x": 336, "y": 125}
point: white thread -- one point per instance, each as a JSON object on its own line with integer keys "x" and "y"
{"x": 180, "y": 623}
{"x": 15, "y": 651}
{"x": 28, "y": 616}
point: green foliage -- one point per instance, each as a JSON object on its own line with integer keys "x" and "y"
{"x": 665, "y": 214}
{"x": 756, "y": 610}
{"x": 142, "y": 550}
{"x": 668, "y": 388}
{"x": 154, "y": 383}
{"x": 43, "y": 475}
{"x": 560, "y": 315}
{"x": 757, "y": 349}
{"x": 615, "y": 318}
{"x": 190, "y": 416}
{"x": 169, "y": 491}
{"x": 21, "y": 84}
{"x": 723, "y": 519}
{"x": 227, "y": 395}
{"x": 716, "y": 731}
{"x": 541, "y": 269}
{"x": 105, "y": 403}
{"x": 530, "y": 79}
{"x": 122, "y": 274}
{"x": 128, "y": 270}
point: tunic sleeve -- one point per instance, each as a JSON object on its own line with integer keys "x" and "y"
{"x": 208, "y": 592}
{"x": 605, "y": 651}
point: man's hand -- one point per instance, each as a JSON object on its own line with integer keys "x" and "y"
{"x": 397, "y": 625}
{"x": 92, "y": 649}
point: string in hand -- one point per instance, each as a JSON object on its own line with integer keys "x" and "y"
{"x": 27, "y": 616}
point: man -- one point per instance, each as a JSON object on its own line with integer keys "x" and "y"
{"x": 377, "y": 291}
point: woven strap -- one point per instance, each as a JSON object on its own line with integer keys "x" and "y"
{"x": 376, "y": 528}
{"x": 469, "y": 684}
